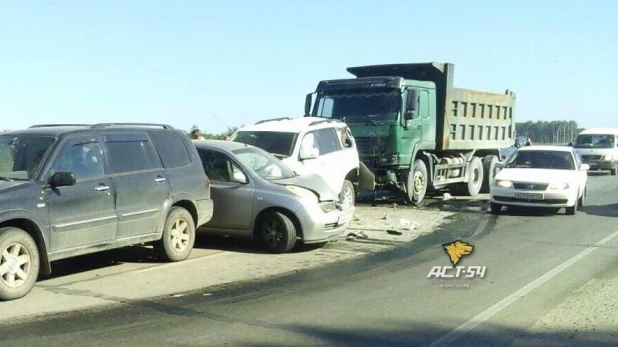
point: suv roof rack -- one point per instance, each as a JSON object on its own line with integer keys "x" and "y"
{"x": 105, "y": 125}
{"x": 59, "y": 125}
{"x": 335, "y": 120}
{"x": 273, "y": 120}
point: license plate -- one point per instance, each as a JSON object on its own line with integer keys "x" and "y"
{"x": 529, "y": 196}
{"x": 344, "y": 219}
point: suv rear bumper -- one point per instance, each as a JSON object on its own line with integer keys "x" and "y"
{"x": 205, "y": 209}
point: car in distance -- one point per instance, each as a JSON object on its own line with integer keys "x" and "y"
{"x": 256, "y": 195}
{"x": 598, "y": 147}
{"x": 69, "y": 190}
{"x": 541, "y": 176}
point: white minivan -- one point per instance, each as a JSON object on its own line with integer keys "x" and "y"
{"x": 598, "y": 147}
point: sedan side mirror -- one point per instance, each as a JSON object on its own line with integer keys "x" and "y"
{"x": 584, "y": 167}
{"x": 62, "y": 179}
{"x": 239, "y": 177}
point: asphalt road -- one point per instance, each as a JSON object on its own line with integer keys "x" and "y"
{"x": 534, "y": 263}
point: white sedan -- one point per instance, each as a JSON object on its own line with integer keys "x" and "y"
{"x": 540, "y": 176}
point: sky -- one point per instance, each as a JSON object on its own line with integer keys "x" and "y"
{"x": 219, "y": 64}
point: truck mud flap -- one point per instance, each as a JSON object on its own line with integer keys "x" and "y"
{"x": 366, "y": 179}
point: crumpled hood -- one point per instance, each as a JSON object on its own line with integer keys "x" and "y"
{"x": 312, "y": 182}
{"x": 535, "y": 175}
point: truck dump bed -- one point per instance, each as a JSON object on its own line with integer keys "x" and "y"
{"x": 466, "y": 119}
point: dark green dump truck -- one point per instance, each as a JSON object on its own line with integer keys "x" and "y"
{"x": 415, "y": 131}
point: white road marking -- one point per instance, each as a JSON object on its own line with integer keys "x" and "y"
{"x": 157, "y": 267}
{"x": 504, "y": 303}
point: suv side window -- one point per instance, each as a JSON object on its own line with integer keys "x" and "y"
{"x": 327, "y": 140}
{"x": 218, "y": 166}
{"x": 171, "y": 149}
{"x": 81, "y": 156}
{"x": 130, "y": 153}
{"x": 346, "y": 138}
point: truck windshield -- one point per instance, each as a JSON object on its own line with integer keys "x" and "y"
{"x": 360, "y": 107}
{"x": 280, "y": 144}
{"x": 594, "y": 141}
{"x": 21, "y": 155}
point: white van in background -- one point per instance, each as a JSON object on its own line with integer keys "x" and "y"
{"x": 598, "y": 147}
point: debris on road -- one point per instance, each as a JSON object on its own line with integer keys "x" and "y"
{"x": 394, "y": 232}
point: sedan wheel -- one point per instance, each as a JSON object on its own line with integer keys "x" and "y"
{"x": 276, "y": 232}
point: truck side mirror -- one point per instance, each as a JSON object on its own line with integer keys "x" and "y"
{"x": 308, "y": 100}
{"x": 411, "y": 111}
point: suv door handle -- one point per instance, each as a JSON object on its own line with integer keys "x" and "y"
{"x": 101, "y": 188}
{"x": 160, "y": 179}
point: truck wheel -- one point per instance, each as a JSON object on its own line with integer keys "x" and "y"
{"x": 178, "y": 236}
{"x": 416, "y": 183}
{"x": 19, "y": 263}
{"x": 347, "y": 194}
{"x": 489, "y": 170}
{"x": 613, "y": 171}
{"x": 475, "y": 176}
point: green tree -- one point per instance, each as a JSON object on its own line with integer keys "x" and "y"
{"x": 557, "y": 132}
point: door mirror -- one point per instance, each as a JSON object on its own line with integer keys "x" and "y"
{"x": 308, "y": 153}
{"x": 62, "y": 179}
{"x": 308, "y": 101}
{"x": 500, "y": 165}
{"x": 584, "y": 167}
{"x": 239, "y": 177}
{"x": 411, "y": 111}
{"x": 570, "y": 144}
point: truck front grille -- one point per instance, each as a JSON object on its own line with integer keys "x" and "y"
{"x": 371, "y": 145}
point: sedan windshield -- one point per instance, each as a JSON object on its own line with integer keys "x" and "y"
{"x": 556, "y": 160}
{"x": 280, "y": 144}
{"x": 21, "y": 155}
{"x": 594, "y": 141}
{"x": 360, "y": 107}
{"x": 263, "y": 163}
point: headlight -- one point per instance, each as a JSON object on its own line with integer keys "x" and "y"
{"x": 559, "y": 186}
{"x": 303, "y": 193}
{"x": 608, "y": 158}
{"x": 391, "y": 159}
{"x": 328, "y": 206}
{"x": 503, "y": 184}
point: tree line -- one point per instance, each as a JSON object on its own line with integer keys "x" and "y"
{"x": 555, "y": 131}
{"x": 539, "y": 131}
{"x": 213, "y": 136}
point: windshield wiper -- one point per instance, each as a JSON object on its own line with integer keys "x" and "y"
{"x": 2, "y": 178}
